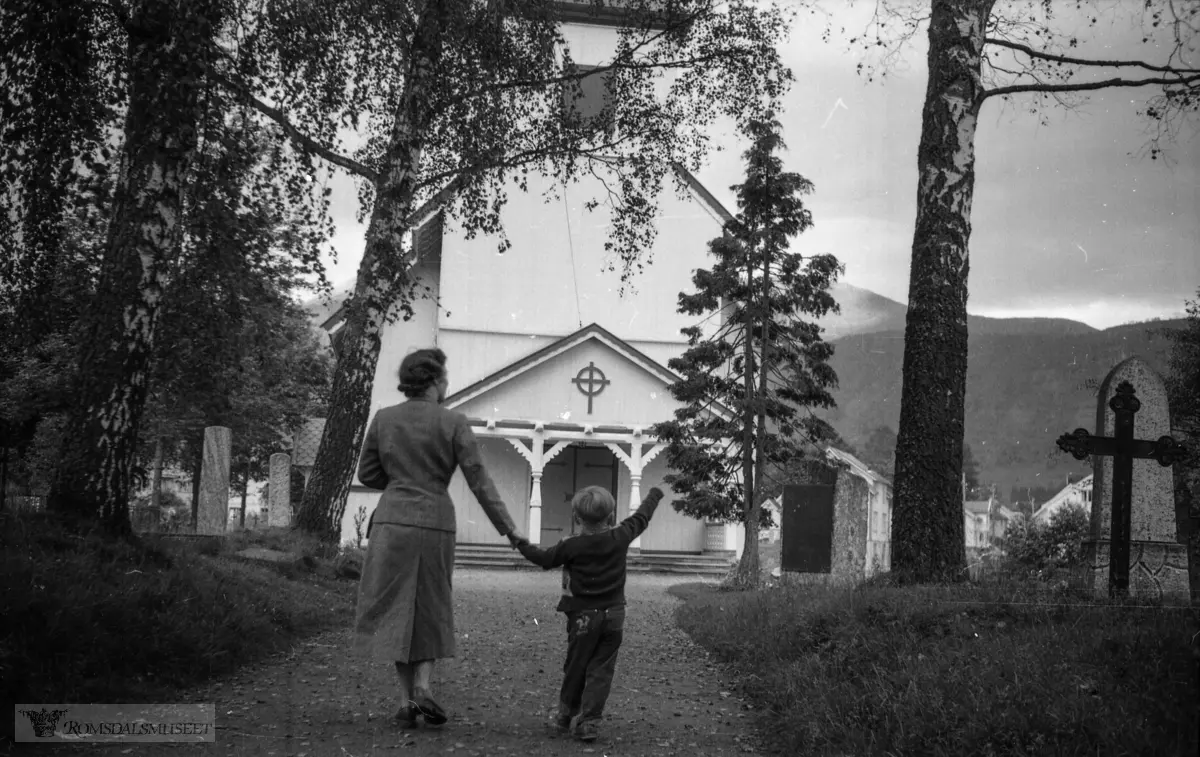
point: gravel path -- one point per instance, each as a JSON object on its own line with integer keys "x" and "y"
{"x": 318, "y": 701}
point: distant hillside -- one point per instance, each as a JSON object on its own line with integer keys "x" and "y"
{"x": 865, "y": 312}
{"x": 1027, "y": 383}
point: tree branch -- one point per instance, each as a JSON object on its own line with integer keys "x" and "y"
{"x": 1032, "y": 53}
{"x": 998, "y": 91}
{"x": 302, "y": 140}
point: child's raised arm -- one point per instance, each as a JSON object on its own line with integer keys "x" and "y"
{"x": 633, "y": 526}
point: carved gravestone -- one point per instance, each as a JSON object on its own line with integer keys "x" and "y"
{"x": 213, "y": 512}
{"x": 279, "y": 512}
{"x": 1157, "y": 560}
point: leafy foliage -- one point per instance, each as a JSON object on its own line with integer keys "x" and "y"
{"x": 81, "y": 78}
{"x": 746, "y": 384}
{"x": 1044, "y": 548}
{"x": 879, "y": 450}
{"x": 1183, "y": 391}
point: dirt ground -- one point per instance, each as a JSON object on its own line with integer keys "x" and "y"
{"x": 320, "y": 701}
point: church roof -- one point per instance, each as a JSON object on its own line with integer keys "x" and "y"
{"x": 593, "y": 331}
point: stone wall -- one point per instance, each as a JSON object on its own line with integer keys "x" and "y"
{"x": 851, "y": 499}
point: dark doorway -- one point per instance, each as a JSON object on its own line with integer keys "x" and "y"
{"x": 572, "y": 469}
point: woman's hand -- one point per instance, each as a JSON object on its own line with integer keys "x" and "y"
{"x": 516, "y": 538}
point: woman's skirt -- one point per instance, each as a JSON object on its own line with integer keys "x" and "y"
{"x": 405, "y": 602}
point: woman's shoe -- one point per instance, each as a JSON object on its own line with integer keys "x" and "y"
{"x": 406, "y": 717}
{"x": 432, "y": 712}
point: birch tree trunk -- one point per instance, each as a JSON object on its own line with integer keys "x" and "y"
{"x": 382, "y": 274}
{"x": 166, "y": 73}
{"x": 927, "y": 526}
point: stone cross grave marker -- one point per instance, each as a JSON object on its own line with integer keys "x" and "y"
{"x": 214, "y": 481}
{"x": 279, "y": 509}
{"x": 1133, "y": 492}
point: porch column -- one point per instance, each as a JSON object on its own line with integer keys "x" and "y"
{"x": 632, "y": 461}
{"x": 642, "y": 461}
{"x": 536, "y": 464}
{"x": 635, "y": 480}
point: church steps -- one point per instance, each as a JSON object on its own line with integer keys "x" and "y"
{"x": 486, "y": 556}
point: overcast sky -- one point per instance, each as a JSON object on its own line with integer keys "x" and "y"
{"x": 1069, "y": 219}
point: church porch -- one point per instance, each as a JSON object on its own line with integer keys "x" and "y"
{"x": 560, "y": 458}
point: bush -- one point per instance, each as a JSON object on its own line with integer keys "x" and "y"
{"x": 1044, "y": 549}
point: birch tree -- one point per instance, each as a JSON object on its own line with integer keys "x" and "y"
{"x": 456, "y": 101}
{"x": 980, "y": 51}
{"x": 105, "y": 106}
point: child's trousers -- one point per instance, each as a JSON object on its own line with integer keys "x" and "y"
{"x": 593, "y": 638}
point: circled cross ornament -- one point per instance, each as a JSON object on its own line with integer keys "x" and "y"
{"x": 590, "y": 381}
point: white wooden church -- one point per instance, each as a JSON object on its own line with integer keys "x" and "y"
{"x": 559, "y": 374}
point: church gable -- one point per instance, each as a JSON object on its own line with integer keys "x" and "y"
{"x": 590, "y": 378}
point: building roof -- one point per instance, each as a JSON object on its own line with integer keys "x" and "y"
{"x": 1068, "y": 491}
{"x": 861, "y": 469}
{"x": 427, "y": 243}
{"x": 978, "y": 506}
{"x": 593, "y": 331}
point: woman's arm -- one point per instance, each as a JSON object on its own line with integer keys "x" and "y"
{"x": 370, "y": 467}
{"x": 466, "y": 449}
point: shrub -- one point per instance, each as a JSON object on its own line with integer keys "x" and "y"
{"x": 1045, "y": 548}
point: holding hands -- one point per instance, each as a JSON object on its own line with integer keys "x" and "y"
{"x": 515, "y": 539}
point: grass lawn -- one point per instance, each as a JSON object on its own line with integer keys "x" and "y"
{"x": 953, "y": 671}
{"x": 90, "y": 620}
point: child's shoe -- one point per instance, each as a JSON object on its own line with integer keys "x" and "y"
{"x": 585, "y": 730}
{"x": 406, "y": 717}
{"x": 562, "y": 724}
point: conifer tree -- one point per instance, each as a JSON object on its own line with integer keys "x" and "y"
{"x": 748, "y": 387}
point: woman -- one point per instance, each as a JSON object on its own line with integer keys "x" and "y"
{"x": 405, "y": 609}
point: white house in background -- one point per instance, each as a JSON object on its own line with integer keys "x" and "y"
{"x": 775, "y": 508}
{"x": 560, "y": 374}
{"x": 879, "y": 510}
{"x": 1078, "y": 493}
{"x": 986, "y": 521}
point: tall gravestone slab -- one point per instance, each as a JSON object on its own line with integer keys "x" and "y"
{"x": 214, "y": 481}
{"x": 279, "y": 509}
{"x": 1157, "y": 560}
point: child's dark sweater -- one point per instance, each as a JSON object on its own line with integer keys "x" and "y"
{"x": 594, "y": 564}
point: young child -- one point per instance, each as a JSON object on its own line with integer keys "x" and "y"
{"x": 593, "y": 599}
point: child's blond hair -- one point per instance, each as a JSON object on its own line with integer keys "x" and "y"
{"x": 593, "y": 505}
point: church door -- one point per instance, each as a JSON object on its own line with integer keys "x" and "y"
{"x": 571, "y": 470}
